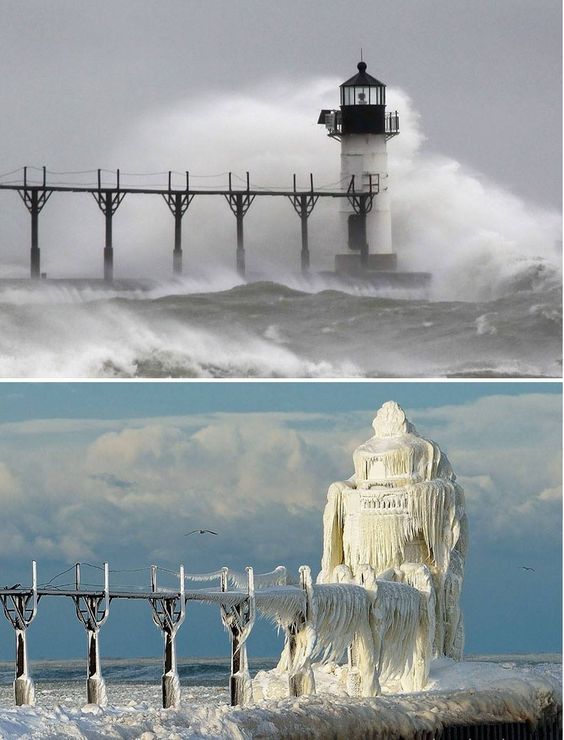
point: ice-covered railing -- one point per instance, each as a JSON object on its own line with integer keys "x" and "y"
{"x": 385, "y": 627}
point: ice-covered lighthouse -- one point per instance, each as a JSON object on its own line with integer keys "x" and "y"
{"x": 363, "y": 127}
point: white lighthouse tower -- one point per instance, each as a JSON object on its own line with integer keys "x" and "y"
{"x": 363, "y": 128}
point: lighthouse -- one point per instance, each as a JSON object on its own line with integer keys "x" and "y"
{"x": 363, "y": 127}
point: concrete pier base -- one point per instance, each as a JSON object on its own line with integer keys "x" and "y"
{"x": 378, "y": 270}
{"x": 352, "y": 264}
{"x": 380, "y": 279}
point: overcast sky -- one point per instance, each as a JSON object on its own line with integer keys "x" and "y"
{"x": 121, "y": 471}
{"x": 216, "y": 86}
{"x": 485, "y": 75}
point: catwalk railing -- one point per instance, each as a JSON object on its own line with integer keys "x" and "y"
{"x": 168, "y": 607}
{"x": 35, "y": 186}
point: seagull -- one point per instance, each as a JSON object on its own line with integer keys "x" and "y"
{"x": 526, "y": 567}
{"x": 200, "y": 531}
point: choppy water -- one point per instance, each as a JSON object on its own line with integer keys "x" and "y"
{"x": 269, "y": 329}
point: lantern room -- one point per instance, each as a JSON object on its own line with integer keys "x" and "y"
{"x": 363, "y": 104}
{"x": 363, "y": 89}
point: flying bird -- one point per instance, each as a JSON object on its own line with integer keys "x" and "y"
{"x": 200, "y": 531}
{"x": 526, "y": 567}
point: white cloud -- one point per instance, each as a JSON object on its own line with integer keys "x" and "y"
{"x": 131, "y": 488}
{"x": 506, "y": 451}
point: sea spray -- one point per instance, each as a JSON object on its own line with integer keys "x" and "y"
{"x": 480, "y": 241}
{"x": 268, "y": 329}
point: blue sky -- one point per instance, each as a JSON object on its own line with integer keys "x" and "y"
{"x": 119, "y": 471}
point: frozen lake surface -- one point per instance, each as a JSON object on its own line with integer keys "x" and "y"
{"x": 515, "y": 686}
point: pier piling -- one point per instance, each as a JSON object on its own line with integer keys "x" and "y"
{"x": 304, "y": 204}
{"x": 240, "y": 201}
{"x": 238, "y": 621}
{"x": 178, "y": 203}
{"x": 93, "y": 611}
{"x": 168, "y": 614}
{"x": 34, "y": 198}
{"x": 20, "y": 610}
{"x": 300, "y": 673}
{"x": 108, "y": 201}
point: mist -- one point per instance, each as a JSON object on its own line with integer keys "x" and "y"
{"x": 479, "y": 240}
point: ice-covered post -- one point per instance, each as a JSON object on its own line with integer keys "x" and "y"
{"x": 168, "y": 614}
{"x": 300, "y": 679}
{"x": 239, "y": 620}
{"x": 354, "y": 679}
{"x": 93, "y": 610}
{"x": 20, "y": 610}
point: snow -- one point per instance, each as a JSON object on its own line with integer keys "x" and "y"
{"x": 457, "y": 693}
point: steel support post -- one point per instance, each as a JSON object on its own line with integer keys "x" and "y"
{"x": 177, "y": 253}
{"x": 93, "y": 611}
{"x": 168, "y": 615}
{"x": 239, "y": 620}
{"x": 239, "y": 202}
{"x": 95, "y": 684}
{"x": 35, "y": 255}
{"x": 34, "y": 199}
{"x": 108, "y": 201}
{"x": 108, "y": 248}
{"x": 305, "y": 244}
{"x": 24, "y": 689}
{"x": 300, "y": 674}
{"x": 178, "y": 203}
{"x": 304, "y": 204}
{"x": 20, "y": 610}
{"x": 170, "y": 681}
{"x": 240, "y": 255}
{"x": 354, "y": 683}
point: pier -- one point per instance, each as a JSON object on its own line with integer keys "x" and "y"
{"x": 234, "y": 594}
{"x": 35, "y": 186}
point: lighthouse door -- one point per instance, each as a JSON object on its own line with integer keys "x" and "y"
{"x": 357, "y": 231}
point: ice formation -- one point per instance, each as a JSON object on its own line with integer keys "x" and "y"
{"x": 388, "y": 592}
{"x": 402, "y": 507}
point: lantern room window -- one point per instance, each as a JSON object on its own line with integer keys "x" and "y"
{"x": 363, "y": 95}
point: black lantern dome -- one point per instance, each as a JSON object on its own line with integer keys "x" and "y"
{"x": 363, "y": 104}
{"x": 363, "y": 89}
